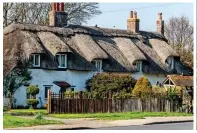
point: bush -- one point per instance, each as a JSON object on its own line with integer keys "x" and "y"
{"x": 32, "y": 102}
{"x": 32, "y": 89}
{"x": 142, "y": 88}
{"x": 39, "y": 116}
{"x": 114, "y": 82}
{"x": 5, "y": 108}
{"x": 159, "y": 92}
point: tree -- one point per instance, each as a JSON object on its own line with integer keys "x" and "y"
{"x": 37, "y": 13}
{"x": 179, "y": 33}
{"x": 142, "y": 88}
{"x": 15, "y": 79}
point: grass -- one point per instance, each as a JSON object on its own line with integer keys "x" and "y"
{"x": 28, "y": 112}
{"x": 10, "y": 121}
{"x": 119, "y": 116}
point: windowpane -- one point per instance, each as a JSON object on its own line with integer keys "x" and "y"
{"x": 58, "y": 59}
{"x": 62, "y": 60}
{"x": 46, "y": 91}
{"x": 36, "y": 60}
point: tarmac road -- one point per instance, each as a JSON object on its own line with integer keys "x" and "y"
{"x": 166, "y": 126}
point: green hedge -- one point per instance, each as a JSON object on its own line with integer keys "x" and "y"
{"x": 32, "y": 102}
{"x": 114, "y": 82}
{"x": 32, "y": 90}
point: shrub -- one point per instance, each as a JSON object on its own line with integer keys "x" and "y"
{"x": 159, "y": 91}
{"x": 114, "y": 82}
{"x": 142, "y": 88}
{"x": 39, "y": 116}
{"x": 32, "y": 102}
{"x": 32, "y": 89}
{"x": 5, "y": 108}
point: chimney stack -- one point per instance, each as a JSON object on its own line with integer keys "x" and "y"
{"x": 133, "y": 23}
{"x": 160, "y": 24}
{"x": 57, "y": 16}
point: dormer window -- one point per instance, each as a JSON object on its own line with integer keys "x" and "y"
{"x": 62, "y": 60}
{"x": 35, "y": 60}
{"x": 170, "y": 62}
{"x": 98, "y": 65}
{"x": 139, "y": 65}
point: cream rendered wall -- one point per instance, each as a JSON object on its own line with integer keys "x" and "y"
{"x": 46, "y": 77}
{"x": 75, "y": 78}
{"x": 153, "y": 78}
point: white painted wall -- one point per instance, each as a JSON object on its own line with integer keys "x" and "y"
{"x": 153, "y": 78}
{"x": 47, "y": 77}
{"x": 75, "y": 78}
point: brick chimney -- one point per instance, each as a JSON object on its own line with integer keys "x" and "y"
{"x": 133, "y": 23}
{"x": 57, "y": 16}
{"x": 160, "y": 24}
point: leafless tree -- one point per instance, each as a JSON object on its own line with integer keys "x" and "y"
{"x": 37, "y": 13}
{"x": 179, "y": 32}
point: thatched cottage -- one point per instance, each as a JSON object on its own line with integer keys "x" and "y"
{"x": 67, "y": 55}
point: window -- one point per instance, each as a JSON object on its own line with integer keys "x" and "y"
{"x": 35, "y": 60}
{"x": 170, "y": 61}
{"x": 139, "y": 65}
{"x": 46, "y": 91}
{"x": 62, "y": 60}
{"x": 98, "y": 65}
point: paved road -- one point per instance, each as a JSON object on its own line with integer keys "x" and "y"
{"x": 167, "y": 126}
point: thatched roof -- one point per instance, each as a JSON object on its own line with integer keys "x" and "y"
{"x": 119, "y": 49}
{"x": 163, "y": 49}
{"x": 180, "y": 80}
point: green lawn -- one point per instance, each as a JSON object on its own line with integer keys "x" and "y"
{"x": 10, "y": 121}
{"x": 27, "y": 111}
{"x": 119, "y": 116}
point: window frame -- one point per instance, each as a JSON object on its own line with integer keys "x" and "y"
{"x": 61, "y": 60}
{"x": 98, "y": 64}
{"x": 34, "y": 60}
{"x": 49, "y": 87}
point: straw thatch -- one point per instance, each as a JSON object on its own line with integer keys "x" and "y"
{"x": 119, "y": 49}
{"x": 162, "y": 49}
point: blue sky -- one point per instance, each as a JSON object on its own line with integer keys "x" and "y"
{"x": 147, "y": 15}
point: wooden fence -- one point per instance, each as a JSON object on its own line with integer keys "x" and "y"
{"x": 59, "y": 103}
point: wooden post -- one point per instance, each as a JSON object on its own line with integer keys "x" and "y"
{"x": 81, "y": 102}
{"x": 49, "y": 101}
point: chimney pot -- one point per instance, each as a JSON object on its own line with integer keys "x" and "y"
{"x": 159, "y": 16}
{"x": 135, "y": 15}
{"x": 62, "y": 7}
{"x": 131, "y": 14}
{"x": 53, "y": 6}
{"x": 58, "y": 6}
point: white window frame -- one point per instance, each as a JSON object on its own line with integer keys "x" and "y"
{"x": 139, "y": 65}
{"x": 34, "y": 60}
{"x": 60, "y": 60}
{"x": 98, "y": 65}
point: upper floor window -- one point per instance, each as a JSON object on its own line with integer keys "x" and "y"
{"x": 35, "y": 60}
{"x": 62, "y": 60}
{"x": 139, "y": 65}
{"x": 98, "y": 65}
{"x": 170, "y": 62}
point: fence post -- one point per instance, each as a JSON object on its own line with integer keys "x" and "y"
{"x": 49, "y": 101}
{"x": 81, "y": 102}
{"x": 109, "y": 98}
